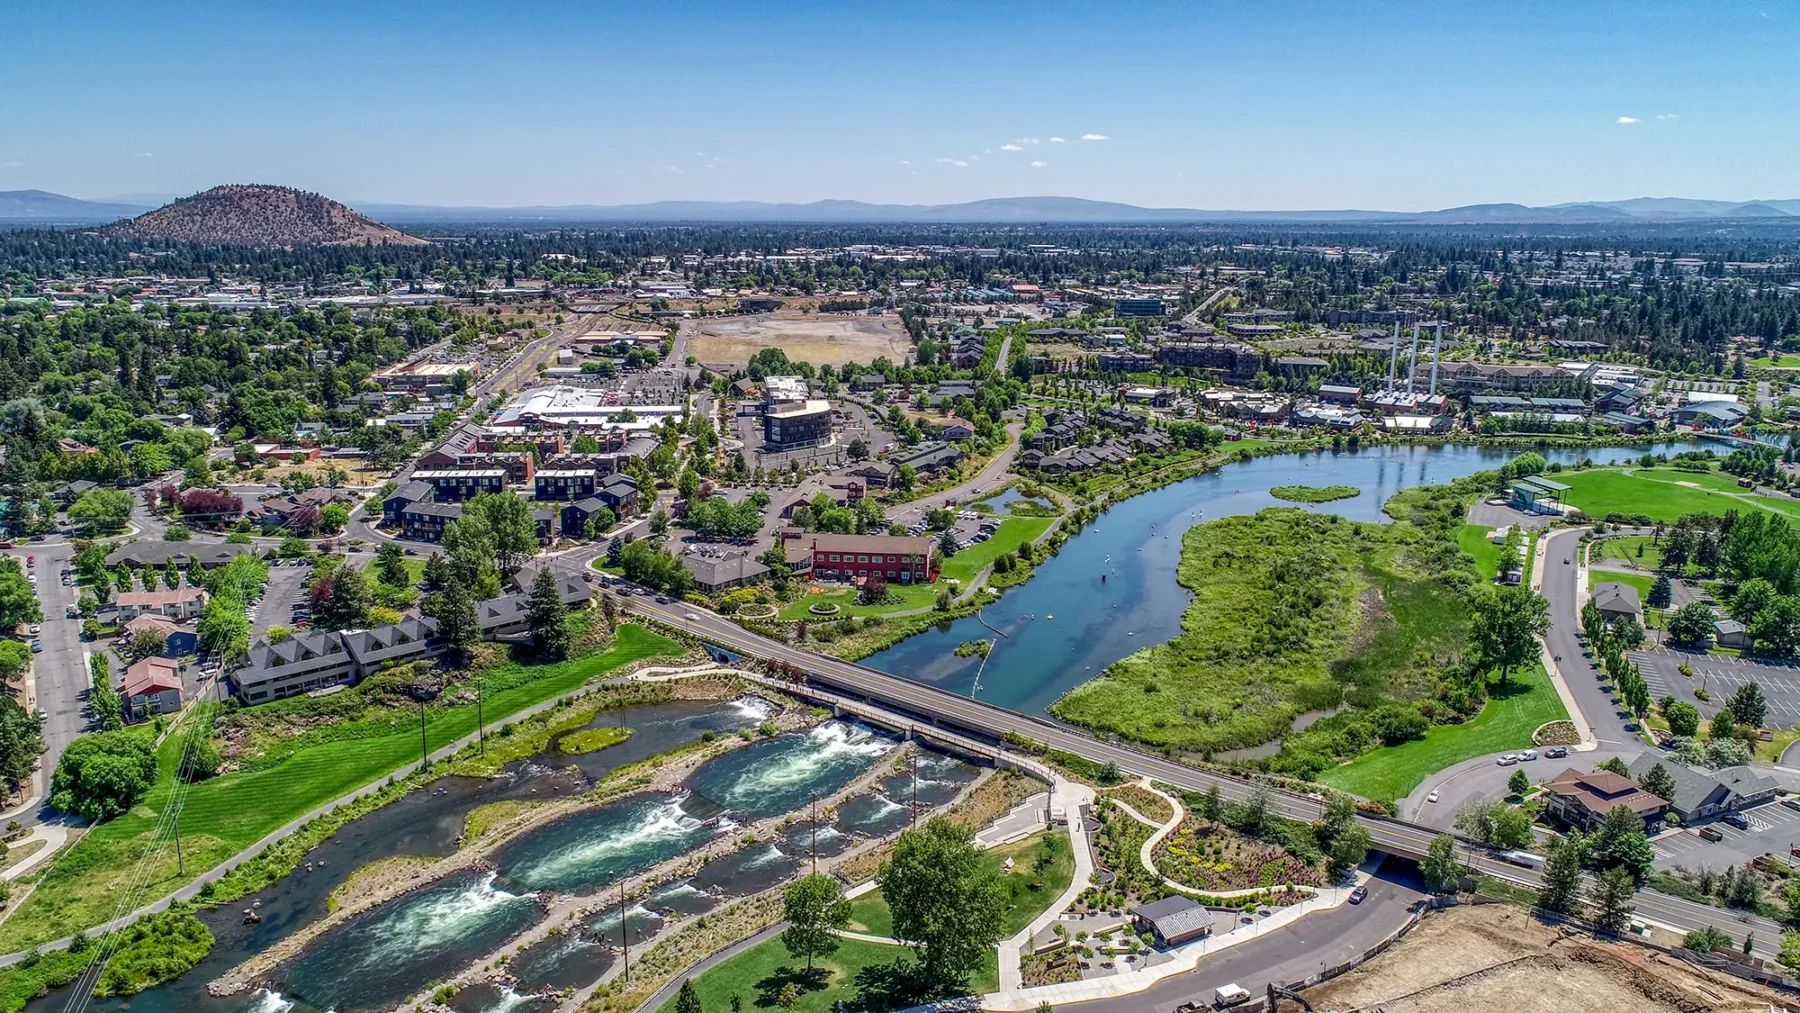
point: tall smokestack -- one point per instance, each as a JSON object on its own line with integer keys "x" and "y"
{"x": 1437, "y": 346}
{"x": 1412, "y": 360}
{"x": 1394, "y": 357}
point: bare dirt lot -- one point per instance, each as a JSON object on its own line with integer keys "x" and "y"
{"x": 1498, "y": 959}
{"x": 804, "y": 337}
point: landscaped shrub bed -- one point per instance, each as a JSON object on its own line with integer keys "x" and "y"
{"x": 1209, "y": 856}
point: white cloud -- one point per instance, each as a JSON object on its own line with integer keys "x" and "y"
{"x": 959, "y": 163}
{"x": 905, "y": 162}
{"x": 1056, "y": 140}
{"x": 1094, "y": 137}
{"x": 1668, "y": 116}
{"x": 14, "y": 164}
{"x": 1025, "y": 140}
{"x": 1010, "y": 147}
{"x": 1039, "y": 165}
{"x": 143, "y": 154}
{"x": 1627, "y": 120}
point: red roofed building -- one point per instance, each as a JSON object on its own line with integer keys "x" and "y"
{"x": 152, "y": 686}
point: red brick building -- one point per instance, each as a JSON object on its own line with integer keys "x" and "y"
{"x": 899, "y": 560}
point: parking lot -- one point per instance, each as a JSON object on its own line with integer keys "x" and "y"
{"x": 1720, "y": 675}
{"x": 284, "y": 600}
{"x": 1774, "y": 828}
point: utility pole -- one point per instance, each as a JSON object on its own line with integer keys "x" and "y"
{"x": 624, "y": 936}
{"x": 915, "y": 787}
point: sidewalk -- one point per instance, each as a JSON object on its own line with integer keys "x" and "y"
{"x": 55, "y": 834}
{"x": 1067, "y": 797}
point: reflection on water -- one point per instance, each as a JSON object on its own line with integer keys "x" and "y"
{"x": 1066, "y": 626}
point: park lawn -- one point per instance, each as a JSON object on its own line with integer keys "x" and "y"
{"x": 1641, "y": 581}
{"x": 1505, "y": 723}
{"x": 1655, "y": 494}
{"x": 1638, "y": 550}
{"x": 757, "y": 975}
{"x": 869, "y": 913}
{"x": 1777, "y": 362}
{"x": 226, "y": 814}
{"x": 913, "y": 596}
{"x": 1013, "y": 532}
{"x": 1473, "y": 539}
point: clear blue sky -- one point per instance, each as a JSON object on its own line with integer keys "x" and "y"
{"x": 1210, "y": 105}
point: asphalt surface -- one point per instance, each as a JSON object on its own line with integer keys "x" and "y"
{"x": 60, "y": 670}
{"x": 1562, "y": 586}
{"x": 931, "y": 706}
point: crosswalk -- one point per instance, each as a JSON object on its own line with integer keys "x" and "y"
{"x": 1773, "y": 828}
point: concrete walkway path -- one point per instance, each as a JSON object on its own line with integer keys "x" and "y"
{"x": 54, "y": 834}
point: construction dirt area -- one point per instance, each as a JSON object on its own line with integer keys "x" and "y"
{"x": 817, "y": 339}
{"x": 1496, "y": 958}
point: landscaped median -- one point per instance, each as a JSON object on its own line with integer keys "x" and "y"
{"x": 227, "y": 814}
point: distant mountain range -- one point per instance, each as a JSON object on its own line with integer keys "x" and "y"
{"x": 42, "y": 208}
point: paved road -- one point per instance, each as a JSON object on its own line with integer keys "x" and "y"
{"x": 1564, "y": 585}
{"x": 60, "y": 671}
{"x": 930, "y": 705}
{"x": 1482, "y": 778}
{"x": 1319, "y": 940}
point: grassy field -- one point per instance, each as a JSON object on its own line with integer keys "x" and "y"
{"x": 869, "y": 913}
{"x": 815, "y": 338}
{"x": 1314, "y": 493}
{"x": 1637, "y": 550}
{"x": 1013, "y": 532}
{"x": 226, "y": 814}
{"x": 1508, "y": 720}
{"x": 912, "y": 596}
{"x": 1655, "y": 493}
{"x": 1473, "y": 539}
{"x": 757, "y": 975}
{"x": 1777, "y": 362}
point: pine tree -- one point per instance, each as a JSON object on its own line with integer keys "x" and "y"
{"x": 1561, "y": 892}
{"x": 457, "y": 622}
{"x": 688, "y": 999}
{"x": 546, "y": 617}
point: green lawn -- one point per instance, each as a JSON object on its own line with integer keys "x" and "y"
{"x": 869, "y": 913}
{"x": 1013, "y": 532}
{"x": 1778, "y": 361}
{"x": 913, "y": 596}
{"x": 1638, "y": 550}
{"x": 1655, "y": 493}
{"x": 226, "y": 814}
{"x": 757, "y": 975}
{"x": 1505, "y": 723}
{"x": 1473, "y": 539}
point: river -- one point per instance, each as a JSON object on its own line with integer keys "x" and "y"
{"x": 1064, "y": 626}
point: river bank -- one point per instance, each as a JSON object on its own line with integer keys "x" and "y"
{"x": 662, "y": 773}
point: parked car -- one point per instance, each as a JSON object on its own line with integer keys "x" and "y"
{"x": 1556, "y": 752}
{"x": 1529, "y": 754}
{"x": 1508, "y": 760}
{"x": 1736, "y": 819}
{"x": 37, "y": 647}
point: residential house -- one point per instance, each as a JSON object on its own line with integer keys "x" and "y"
{"x": 314, "y": 660}
{"x": 619, "y": 493}
{"x": 178, "y": 638}
{"x": 139, "y": 555}
{"x": 410, "y": 639}
{"x": 575, "y": 516}
{"x": 425, "y": 522}
{"x": 1583, "y": 800}
{"x": 180, "y": 603}
{"x": 152, "y": 686}
{"x": 453, "y": 485}
{"x": 401, "y": 498}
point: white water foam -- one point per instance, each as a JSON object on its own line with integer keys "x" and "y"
{"x": 509, "y": 1000}
{"x": 270, "y": 1002}
{"x": 666, "y": 823}
{"x": 827, "y": 745}
{"x": 601, "y": 924}
{"x": 438, "y": 922}
{"x": 754, "y": 708}
{"x": 769, "y": 855}
{"x": 682, "y": 889}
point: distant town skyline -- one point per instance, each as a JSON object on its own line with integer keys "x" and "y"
{"x": 1389, "y": 106}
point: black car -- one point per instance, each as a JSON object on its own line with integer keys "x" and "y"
{"x": 1358, "y": 895}
{"x": 1735, "y": 819}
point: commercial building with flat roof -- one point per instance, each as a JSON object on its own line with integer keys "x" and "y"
{"x": 797, "y": 424}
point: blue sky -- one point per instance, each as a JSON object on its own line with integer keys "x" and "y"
{"x": 1211, "y": 105}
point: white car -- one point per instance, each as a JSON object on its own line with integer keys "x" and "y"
{"x": 1508, "y": 760}
{"x": 1529, "y": 754}
{"x": 1433, "y": 797}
